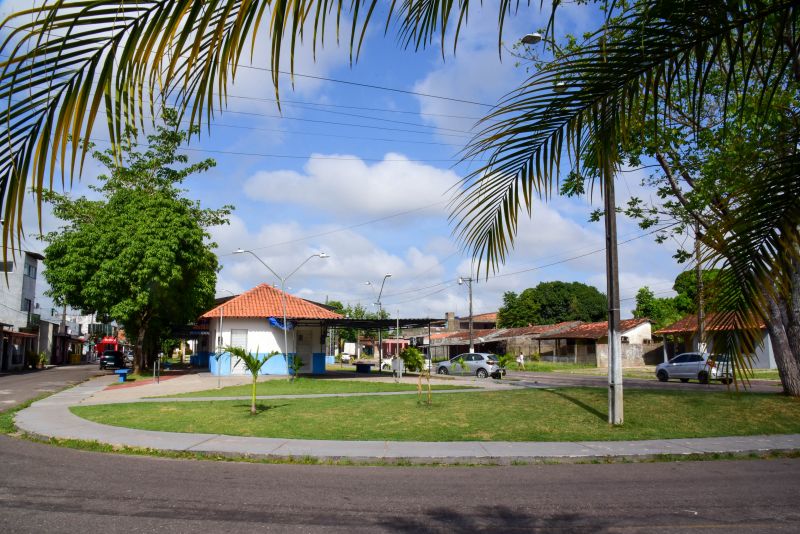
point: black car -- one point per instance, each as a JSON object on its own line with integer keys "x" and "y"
{"x": 112, "y": 358}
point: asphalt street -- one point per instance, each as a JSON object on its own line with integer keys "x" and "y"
{"x": 526, "y": 379}
{"x": 18, "y": 387}
{"x": 49, "y": 489}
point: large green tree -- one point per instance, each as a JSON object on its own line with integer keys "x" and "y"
{"x": 141, "y": 254}
{"x": 552, "y": 302}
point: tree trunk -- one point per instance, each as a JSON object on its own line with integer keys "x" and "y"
{"x": 788, "y": 367}
{"x": 138, "y": 354}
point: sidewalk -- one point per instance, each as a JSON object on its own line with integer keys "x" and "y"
{"x": 51, "y": 417}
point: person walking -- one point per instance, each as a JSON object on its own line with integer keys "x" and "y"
{"x": 521, "y": 362}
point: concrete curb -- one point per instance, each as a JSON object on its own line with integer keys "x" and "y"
{"x": 51, "y": 418}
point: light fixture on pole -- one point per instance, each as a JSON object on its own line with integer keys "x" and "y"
{"x": 283, "y": 280}
{"x": 468, "y": 280}
{"x": 532, "y": 38}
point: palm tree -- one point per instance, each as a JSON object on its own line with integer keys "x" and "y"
{"x": 253, "y": 363}
{"x": 60, "y": 72}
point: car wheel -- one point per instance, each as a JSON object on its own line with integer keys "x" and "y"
{"x": 481, "y": 373}
{"x": 703, "y": 377}
{"x": 684, "y": 380}
{"x": 442, "y": 371}
{"x": 662, "y": 376}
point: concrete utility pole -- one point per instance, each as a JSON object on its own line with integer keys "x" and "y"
{"x": 701, "y": 314}
{"x": 612, "y": 280}
{"x": 468, "y": 280}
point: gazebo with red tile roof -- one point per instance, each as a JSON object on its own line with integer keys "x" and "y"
{"x": 265, "y": 301}
{"x": 254, "y": 321}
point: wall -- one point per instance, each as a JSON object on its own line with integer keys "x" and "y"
{"x": 633, "y": 354}
{"x": 264, "y": 338}
{"x": 639, "y": 334}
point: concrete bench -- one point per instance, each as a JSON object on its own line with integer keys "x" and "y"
{"x": 365, "y": 368}
{"x": 123, "y": 374}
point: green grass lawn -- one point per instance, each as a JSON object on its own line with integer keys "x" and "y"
{"x": 549, "y": 367}
{"x": 524, "y": 415}
{"x": 307, "y": 386}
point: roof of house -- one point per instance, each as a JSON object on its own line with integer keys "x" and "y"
{"x": 265, "y": 301}
{"x": 536, "y": 329}
{"x": 482, "y": 318}
{"x": 713, "y": 322}
{"x": 595, "y": 330}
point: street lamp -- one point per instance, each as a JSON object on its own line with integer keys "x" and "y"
{"x": 468, "y": 280}
{"x": 380, "y": 316}
{"x": 283, "y": 280}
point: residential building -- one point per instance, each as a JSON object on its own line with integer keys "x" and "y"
{"x": 587, "y": 343}
{"x": 254, "y": 322}
{"x": 682, "y": 336}
{"x": 18, "y": 317}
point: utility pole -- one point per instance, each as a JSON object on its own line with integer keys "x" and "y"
{"x": 615, "y": 415}
{"x": 468, "y": 280}
{"x": 701, "y": 315}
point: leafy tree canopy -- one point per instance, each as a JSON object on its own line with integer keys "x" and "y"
{"x": 552, "y": 302}
{"x": 140, "y": 254}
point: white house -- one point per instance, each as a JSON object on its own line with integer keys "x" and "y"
{"x": 682, "y": 337}
{"x": 254, "y": 322}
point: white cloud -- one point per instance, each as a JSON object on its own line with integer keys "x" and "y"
{"x": 354, "y": 188}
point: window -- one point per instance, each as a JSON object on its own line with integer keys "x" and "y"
{"x": 239, "y": 338}
{"x": 7, "y": 266}
{"x": 680, "y": 359}
{"x": 27, "y": 305}
{"x": 30, "y": 270}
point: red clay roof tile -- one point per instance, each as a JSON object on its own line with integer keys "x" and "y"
{"x": 265, "y": 301}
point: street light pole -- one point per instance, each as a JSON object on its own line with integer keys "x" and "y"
{"x": 283, "y": 280}
{"x": 468, "y": 280}
{"x": 380, "y": 317}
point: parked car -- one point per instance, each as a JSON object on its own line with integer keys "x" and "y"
{"x": 112, "y": 358}
{"x": 696, "y": 365}
{"x": 481, "y": 364}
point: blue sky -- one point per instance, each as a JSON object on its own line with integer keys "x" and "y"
{"x": 364, "y": 175}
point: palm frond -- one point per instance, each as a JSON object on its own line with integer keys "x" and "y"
{"x": 622, "y": 68}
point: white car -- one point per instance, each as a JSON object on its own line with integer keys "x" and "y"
{"x": 696, "y": 365}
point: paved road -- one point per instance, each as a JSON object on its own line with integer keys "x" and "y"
{"x": 16, "y": 388}
{"x": 47, "y": 489}
{"x": 575, "y": 380}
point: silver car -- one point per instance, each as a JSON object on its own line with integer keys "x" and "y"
{"x": 481, "y": 364}
{"x": 695, "y": 365}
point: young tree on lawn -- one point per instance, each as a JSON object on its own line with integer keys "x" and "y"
{"x": 141, "y": 254}
{"x": 253, "y": 363}
{"x": 414, "y": 361}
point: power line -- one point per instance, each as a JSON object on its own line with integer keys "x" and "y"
{"x": 344, "y": 228}
{"x": 539, "y": 267}
{"x": 289, "y": 156}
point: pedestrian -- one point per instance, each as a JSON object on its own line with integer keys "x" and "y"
{"x": 521, "y": 362}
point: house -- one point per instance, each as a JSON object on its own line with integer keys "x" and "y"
{"x": 254, "y": 322}
{"x": 681, "y": 336}
{"x": 587, "y": 343}
{"x": 482, "y": 321}
{"x": 18, "y": 321}
{"x": 527, "y": 339}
